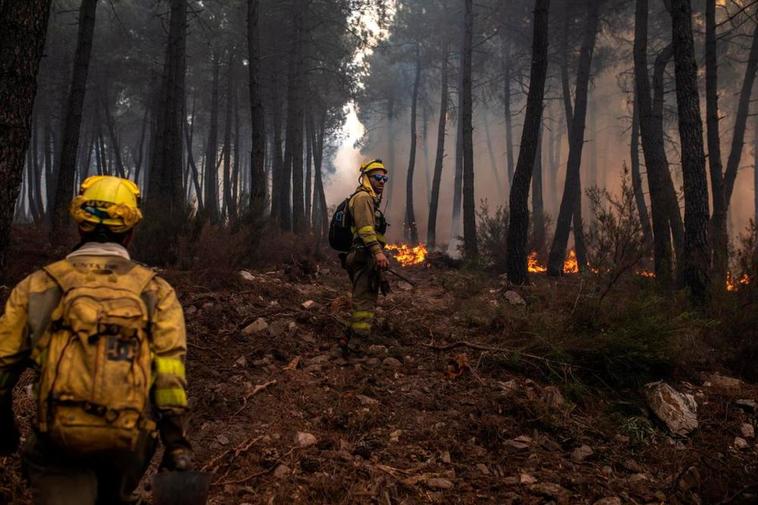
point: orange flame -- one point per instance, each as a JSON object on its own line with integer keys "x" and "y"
{"x": 571, "y": 264}
{"x": 646, "y": 273}
{"x": 733, "y": 284}
{"x": 407, "y": 255}
{"x": 534, "y": 265}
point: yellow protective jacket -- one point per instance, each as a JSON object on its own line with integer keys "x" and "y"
{"x": 366, "y": 215}
{"x": 30, "y": 305}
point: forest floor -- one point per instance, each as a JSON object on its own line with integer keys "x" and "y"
{"x": 449, "y": 404}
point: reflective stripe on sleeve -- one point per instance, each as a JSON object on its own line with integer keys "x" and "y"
{"x": 174, "y": 397}
{"x": 169, "y": 366}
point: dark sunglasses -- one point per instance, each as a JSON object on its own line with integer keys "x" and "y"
{"x": 380, "y": 177}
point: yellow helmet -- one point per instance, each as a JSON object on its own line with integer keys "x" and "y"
{"x": 372, "y": 165}
{"x": 107, "y": 200}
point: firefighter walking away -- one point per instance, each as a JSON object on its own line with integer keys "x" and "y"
{"x": 106, "y": 339}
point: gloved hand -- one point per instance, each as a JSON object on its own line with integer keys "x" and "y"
{"x": 9, "y": 434}
{"x": 179, "y": 459}
{"x": 178, "y": 455}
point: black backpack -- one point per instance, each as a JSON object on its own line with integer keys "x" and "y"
{"x": 340, "y": 227}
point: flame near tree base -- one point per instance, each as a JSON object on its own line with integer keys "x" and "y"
{"x": 571, "y": 266}
{"x": 408, "y": 255}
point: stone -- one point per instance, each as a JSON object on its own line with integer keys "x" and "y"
{"x": 367, "y": 400}
{"x": 392, "y": 363}
{"x": 483, "y": 468}
{"x": 439, "y": 483}
{"x": 222, "y": 439}
{"x": 740, "y": 443}
{"x": 241, "y": 362}
{"x": 247, "y": 276}
{"x": 258, "y": 326}
{"x": 581, "y": 453}
{"x": 445, "y": 457}
{"x": 190, "y": 310}
{"x": 520, "y": 444}
{"x": 525, "y": 478}
{"x": 514, "y": 298}
{"x": 377, "y": 350}
{"x": 747, "y": 430}
{"x": 282, "y": 471}
{"x": 678, "y": 411}
{"x": 724, "y": 381}
{"x": 395, "y": 436}
{"x": 554, "y": 399}
{"x": 309, "y": 304}
{"x": 305, "y": 439}
{"x": 373, "y": 362}
{"x": 611, "y": 500}
{"x": 405, "y": 286}
{"x": 551, "y": 490}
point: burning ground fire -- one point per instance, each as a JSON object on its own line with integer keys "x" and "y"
{"x": 570, "y": 265}
{"x": 407, "y": 255}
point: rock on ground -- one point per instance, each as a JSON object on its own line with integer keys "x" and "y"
{"x": 677, "y": 410}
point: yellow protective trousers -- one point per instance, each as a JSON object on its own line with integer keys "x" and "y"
{"x": 365, "y": 279}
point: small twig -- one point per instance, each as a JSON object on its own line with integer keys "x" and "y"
{"x": 209, "y": 349}
{"x": 257, "y": 389}
{"x": 256, "y": 474}
{"x": 243, "y": 447}
{"x": 481, "y": 347}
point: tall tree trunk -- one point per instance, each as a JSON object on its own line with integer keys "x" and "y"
{"x": 755, "y": 170}
{"x": 308, "y": 176}
{"x": 743, "y": 109}
{"x": 507, "y": 107}
{"x": 293, "y": 217}
{"x": 321, "y": 223}
{"x": 138, "y": 162}
{"x": 670, "y": 198}
{"x": 652, "y": 148}
{"x": 236, "y": 200}
{"x": 189, "y": 132}
{"x": 695, "y": 264}
{"x": 165, "y": 194}
{"x": 229, "y": 210}
{"x": 431, "y": 231}
{"x": 211, "y": 174}
{"x": 518, "y": 228}
{"x": 639, "y": 196}
{"x": 70, "y": 143}
{"x": 277, "y": 163}
{"x": 258, "y": 138}
{"x": 111, "y": 124}
{"x": 411, "y": 232}
{"x": 470, "y": 246}
{"x": 538, "y": 204}
{"x": 571, "y": 201}
{"x": 719, "y": 238}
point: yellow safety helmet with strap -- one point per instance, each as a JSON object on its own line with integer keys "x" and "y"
{"x": 107, "y": 200}
{"x": 372, "y": 165}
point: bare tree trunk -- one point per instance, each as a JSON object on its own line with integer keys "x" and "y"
{"x": 755, "y": 170}
{"x": 165, "y": 203}
{"x": 518, "y": 228}
{"x": 431, "y": 231}
{"x": 141, "y": 146}
{"x": 236, "y": 199}
{"x": 411, "y": 232}
{"x": 308, "y": 177}
{"x": 571, "y": 201}
{"x": 639, "y": 196}
{"x": 189, "y": 132}
{"x": 743, "y": 109}
{"x": 110, "y": 123}
{"x": 670, "y": 198}
{"x": 507, "y": 107}
{"x": 229, "y": 209}
{"x": 70, "y": 143}
{"x": 652, "y": 147}
{"x": 258, "y": 182}
{"x": 277, "y": 163}
{"x": 293, "y": 216}
{"x": 470, "y": 246}
{"x": 538, "y": 204}
{"x": 719, "y": 238}
{"x": 695, "y": 265}
{"x": 211, "y": 175}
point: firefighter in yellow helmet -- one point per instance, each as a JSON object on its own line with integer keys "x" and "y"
{"x": 366, "y": 261}
{"x": 106, "y": 338}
